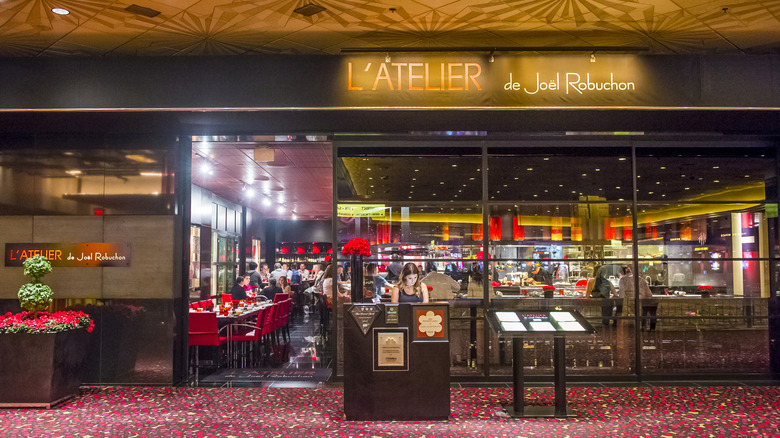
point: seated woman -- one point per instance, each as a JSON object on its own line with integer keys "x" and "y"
{"x": 327, "y": 284}
{"x": 410, "y": 288}
{"x": 285, "y": 285}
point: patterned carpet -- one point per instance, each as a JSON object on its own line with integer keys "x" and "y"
{"x": 244, "y": 412}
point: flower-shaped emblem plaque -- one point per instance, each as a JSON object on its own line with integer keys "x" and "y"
{"x": 430, "y": 323}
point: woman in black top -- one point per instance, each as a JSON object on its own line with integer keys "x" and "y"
{"x": 410, "y": 288}
{"x": 238, "y": 292}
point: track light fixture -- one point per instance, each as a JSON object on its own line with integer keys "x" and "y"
{"x": 492, "y": 56}
{"x": 593, "y": 57}
{"x": 387, "y": 56}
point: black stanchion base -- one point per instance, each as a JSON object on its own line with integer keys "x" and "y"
{"x": 537, "y": 412}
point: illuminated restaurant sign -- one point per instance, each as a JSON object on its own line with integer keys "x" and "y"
{"x": 452, "y": 80}
{"x": 462, "y": 76}
{"x": 70, "y": 254}
{"x": 361, "y": 210}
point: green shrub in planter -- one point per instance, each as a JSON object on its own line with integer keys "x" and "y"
{"x": 36, "y": 296}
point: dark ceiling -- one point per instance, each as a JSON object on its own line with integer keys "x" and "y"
{"x": 225, "y": 27}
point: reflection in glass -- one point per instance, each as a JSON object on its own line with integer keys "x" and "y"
{"x": 683, "y": 248}
{"x": 704, "y": 174}
{"x": 409, "y": 174}
{"x": 559, "y": 174}
{"x": 88, "y": 176}
{"x": 420, "y": 231}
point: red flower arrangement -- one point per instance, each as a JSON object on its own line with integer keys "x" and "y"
{"x": 356, "y": 246}
{"x": 327, "y": 259}
{"x": 45, "y": 322}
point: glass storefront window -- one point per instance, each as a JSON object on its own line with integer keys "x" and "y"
{"x": 698, "y": 234}
{"x": 550, "y": 173}
{"x": 428, "y": 232}
{"x": 704, "y": 174}
{"x": 88, "y": 176}
{"x": 404, "y": 174}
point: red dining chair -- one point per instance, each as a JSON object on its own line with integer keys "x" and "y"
{"x": 204, "y": 330}
{"x": 283, "y": 319}
{"x": 207, "y": 304}
{"x": 227, "y": 298}
{"x": 249, "y": 341}
{"x": 268, "y": 321}
{"x": 268, "y": 338}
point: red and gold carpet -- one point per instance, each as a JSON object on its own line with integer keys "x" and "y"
{"x": 252, "y": 412}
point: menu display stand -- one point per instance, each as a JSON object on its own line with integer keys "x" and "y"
{"x": 397, "y": 362}
{"x": 520, "y": 324}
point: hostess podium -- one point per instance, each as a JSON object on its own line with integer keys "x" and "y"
{"x": 396, "y": 361}
{"x": 556, "y": 324}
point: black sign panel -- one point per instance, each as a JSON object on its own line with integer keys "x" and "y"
{"x": 364, "y": 315}
{"x": 519, "y": 81}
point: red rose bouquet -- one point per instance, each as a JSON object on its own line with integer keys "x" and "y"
{"x": 357, "y": 246}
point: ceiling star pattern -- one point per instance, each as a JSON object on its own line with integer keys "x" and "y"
{"x": 28, "y": 28}
{"x": 579, "y": 11}
{"x": 674, "y": 32}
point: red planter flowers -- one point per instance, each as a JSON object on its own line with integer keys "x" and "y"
{"x": 45, "y": 322}
{"x": 357, "y": 246}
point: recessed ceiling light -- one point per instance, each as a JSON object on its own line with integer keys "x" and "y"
{"x": 60, "y": 11}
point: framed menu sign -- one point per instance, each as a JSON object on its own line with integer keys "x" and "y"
{"x": 391, "y": 349}
{"x": 431, "y": 323}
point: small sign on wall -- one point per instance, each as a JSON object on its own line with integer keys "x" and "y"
{"x": 90, "y": 255}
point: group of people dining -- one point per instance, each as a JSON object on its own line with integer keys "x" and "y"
{"x": 405, "y": 282}
{"x": 269, "y": 283}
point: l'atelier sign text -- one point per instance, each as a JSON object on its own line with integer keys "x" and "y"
{"x": 417, "y": 76}
{"x": 573, "y": 83}
{"x": 69, "y": 255}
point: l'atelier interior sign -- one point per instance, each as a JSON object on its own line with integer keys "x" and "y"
{"x": 70, "y": 254}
